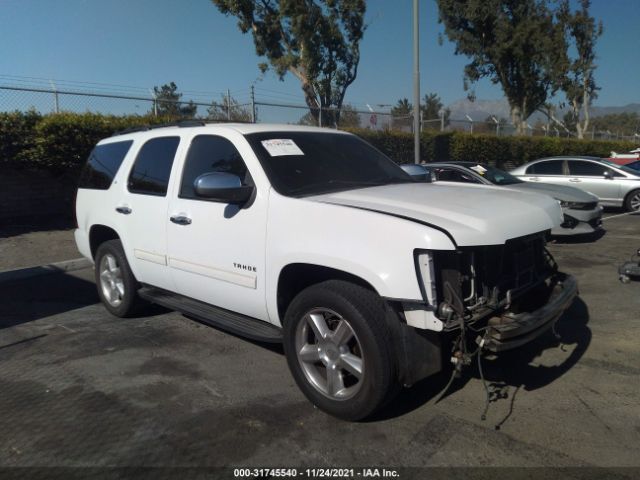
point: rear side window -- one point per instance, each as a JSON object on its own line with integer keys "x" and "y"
{"x": 588, "y": 169}
{"x": 152, "y": 168}
{"x": 552, "y": 167}
{"x": 103, "y": 164}
{"x": 449, "y": 175}
{"x": 209, "y": 153}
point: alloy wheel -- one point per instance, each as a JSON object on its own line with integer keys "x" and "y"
{"x": 111, "y": 280}
{"x": 330, "y": 354}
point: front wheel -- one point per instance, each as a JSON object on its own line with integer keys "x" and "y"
{"x": 339, "y": 349}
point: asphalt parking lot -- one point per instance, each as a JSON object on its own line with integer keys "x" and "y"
{"x": 79, "y": 387}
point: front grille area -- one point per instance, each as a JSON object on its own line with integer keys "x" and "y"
{"x": 584, "y": 206}
{"x": 474, "y": 279}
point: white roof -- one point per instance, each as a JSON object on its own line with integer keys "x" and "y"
{"x": 243, "y": 128}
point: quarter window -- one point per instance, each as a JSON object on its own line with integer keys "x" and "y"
{"x": 103, "y": 164}
{"x": 152, "y": 168}
{"x": 210, "y": 153}
{"x": 551, "y": 167}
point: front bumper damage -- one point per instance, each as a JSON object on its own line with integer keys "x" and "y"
{"x": 511, "y": 330}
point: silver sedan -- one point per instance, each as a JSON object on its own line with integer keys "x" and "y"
{"x": 614, "y": 185}
{"x": 582, "y": 214}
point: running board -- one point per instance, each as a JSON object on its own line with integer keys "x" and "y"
{"x": 217, "y": 317}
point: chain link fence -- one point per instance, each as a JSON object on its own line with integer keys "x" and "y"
{"x": 257, "y": 109}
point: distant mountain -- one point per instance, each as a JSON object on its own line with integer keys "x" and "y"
{"x": 481, "y": 109}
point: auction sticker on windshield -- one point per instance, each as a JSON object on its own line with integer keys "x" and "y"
{"x": 479, "y": 169}
{"x": 278, "y": 147}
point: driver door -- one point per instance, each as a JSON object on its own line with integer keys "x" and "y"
{"x": 217, "y": 250}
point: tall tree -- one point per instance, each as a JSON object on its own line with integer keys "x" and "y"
{"x": 318, "y": 41}
{"x": 431, "y": 109}
{"x": 579, "y": 85}
{"x": 518, "y": 44}
{"x": 349, "y": 118}
{"x": 402, "y": 108}
{"x": 168, "y": 103}
{"x": 228, "y": 109}
{"x": 402, "y": 114}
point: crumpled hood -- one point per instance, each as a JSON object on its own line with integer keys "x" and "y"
{"x": 560, "y": 192}
{"x": 471, "y": 214}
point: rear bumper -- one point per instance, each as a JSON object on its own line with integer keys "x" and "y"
{"x": 82, "y": 242}
{"x": 514, "y": 330}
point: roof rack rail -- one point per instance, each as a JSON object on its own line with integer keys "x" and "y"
{"x": 179, "y": 123}
{"x": 140, "y": 128}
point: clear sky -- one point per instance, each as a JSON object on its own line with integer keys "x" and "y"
{"x": 142, "y": 43}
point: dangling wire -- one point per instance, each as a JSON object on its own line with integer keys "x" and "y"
{"x": 484, "y": 384}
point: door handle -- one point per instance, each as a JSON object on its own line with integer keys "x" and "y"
{"x": 575, "y": 180}
{"x": 123, "y": 210}
{"x": 180, "y": 220}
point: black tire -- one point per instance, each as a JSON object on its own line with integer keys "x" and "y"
{"x": 633, "y": 197}
{"x": 129, "y": 302}
{"x": 370, "y": 341}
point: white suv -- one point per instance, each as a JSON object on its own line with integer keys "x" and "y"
{"x": 313, "y": 238}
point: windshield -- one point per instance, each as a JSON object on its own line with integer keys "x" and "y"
{"x": 495, "y": 175}
{"x": 310, "y": 163}
{"x": 624, "y": 168}
{"x": 635, "y": 166}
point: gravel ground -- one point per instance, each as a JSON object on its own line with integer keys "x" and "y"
{"x": 80, "y": 387}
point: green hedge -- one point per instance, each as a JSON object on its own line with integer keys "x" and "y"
{"x": 61, "y": 142}
{"x": 58, "y": 142}
{"x": 504, "y": 152}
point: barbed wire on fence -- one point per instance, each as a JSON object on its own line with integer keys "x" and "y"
{"x": 255, "y": 105}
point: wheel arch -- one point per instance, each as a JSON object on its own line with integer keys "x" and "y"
{"x": 295, "y": 277}
{"x": 628, "y": 195}
{"x": 98, "y": 234}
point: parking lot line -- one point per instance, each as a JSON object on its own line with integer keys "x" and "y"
{"x": 620, "y": 215}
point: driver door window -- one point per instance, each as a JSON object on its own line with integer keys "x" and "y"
{"x": 209, "y": 153}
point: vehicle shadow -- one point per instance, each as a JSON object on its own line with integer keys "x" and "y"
{"x": 41, "y": 296}
{"x": 510, "y": 371}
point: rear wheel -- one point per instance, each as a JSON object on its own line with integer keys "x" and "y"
{"x": 632, "y": 202}
{"x": 117, "y": 287}
{"x": 339, "y": 349}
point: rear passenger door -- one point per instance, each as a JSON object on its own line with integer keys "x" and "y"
{"x": 217, "y": 250}
{"x": 590, "y": 176}
{"x": 142, "y": 210}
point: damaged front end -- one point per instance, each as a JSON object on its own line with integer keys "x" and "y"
{"x": 512, "y": 293}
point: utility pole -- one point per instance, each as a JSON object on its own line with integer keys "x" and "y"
{"x": 228, "y": 105}
{"x": 416, "y": 83}
{"x": 253, "y": 105}
{"x": 55, "y": 97}
{"x": 155, "y": 102}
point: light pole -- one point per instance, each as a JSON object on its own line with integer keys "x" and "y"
{"x": 497, "y": 125}
{"x": 416, "y": 85}
{"x": 470, "y": 123}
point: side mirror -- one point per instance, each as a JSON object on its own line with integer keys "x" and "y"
{"x": 222, "y": 187}
{"x": 608, "y": 175}
{"x": 418, "y": 172}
